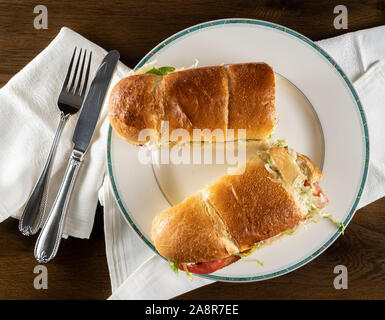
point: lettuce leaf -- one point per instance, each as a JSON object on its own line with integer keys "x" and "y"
{"x": 256, "y": 246}
{"x": 162, "y": 71}
{"x": 174, "y": 266}
{"x": 260, "y": 262}
{"x": 281, "y": 143}
{"x": 188, "y": 273}
{"x": 339, "y": 224}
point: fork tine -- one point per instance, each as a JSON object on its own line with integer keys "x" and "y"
{"x": 86, "y": 75}
{"x": 69, "y": 71}
{"x": 75, "y": 72}
{"x": 77, "y": 90}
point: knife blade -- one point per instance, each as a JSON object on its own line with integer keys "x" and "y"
{"x": 93, "y": 102}
{"x": 50, "y": 236}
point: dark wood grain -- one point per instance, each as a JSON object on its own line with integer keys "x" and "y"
{"x": 134, "y": 27}
{"x": 78, "y": 272}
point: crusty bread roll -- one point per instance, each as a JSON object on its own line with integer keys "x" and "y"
{"x": 237, "y": 96}
{"x": 232, "y": 215}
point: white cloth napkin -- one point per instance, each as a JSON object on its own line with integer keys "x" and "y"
{"x": 361, "y": 55}
{"x": 136, "y": 273}
{"x": 28, "y": 120}
{"x": 371, "y": 90}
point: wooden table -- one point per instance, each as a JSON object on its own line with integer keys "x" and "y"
{"x": 134, "y": 27}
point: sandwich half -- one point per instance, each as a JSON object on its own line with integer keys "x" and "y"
{"x": 227, "y": 220}
{"x": 235, "y": 96}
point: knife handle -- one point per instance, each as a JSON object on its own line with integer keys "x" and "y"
{"x": 50, "y": 236}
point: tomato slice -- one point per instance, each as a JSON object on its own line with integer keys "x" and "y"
{"x": 209, "y": 267}
{"x": 316, "y": 189}
{"x": 321, "y": 202}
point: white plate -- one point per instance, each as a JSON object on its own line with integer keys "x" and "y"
{"x": 319, "y": 112}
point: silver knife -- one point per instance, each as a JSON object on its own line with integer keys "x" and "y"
{"x": 50, "y": 236}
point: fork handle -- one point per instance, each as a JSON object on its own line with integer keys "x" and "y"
{"x": 34, "y": 210}
{"x": 50, "y": 236}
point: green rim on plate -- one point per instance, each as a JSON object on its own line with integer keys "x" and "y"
{"x": 348, "y": 84}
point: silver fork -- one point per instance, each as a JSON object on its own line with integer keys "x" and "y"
{"x": 70, "y": 100}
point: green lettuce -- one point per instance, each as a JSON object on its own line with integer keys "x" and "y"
{"x": 188, "y": 273}
{"x": 256, "y": 246}
{"x": 280, "y": 143}
{"x": 162, "y": 71}
{"x": 260, "y": 262}
{"x": 339, "y": 224}
{"x": 174, "y": 266}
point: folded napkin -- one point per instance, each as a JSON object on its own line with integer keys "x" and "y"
{"x": 137, "y": 273}
{"x": 28, "y": 120}
{"x": 361, "y": 55}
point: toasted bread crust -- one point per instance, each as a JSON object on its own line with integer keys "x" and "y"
{"x": 239, "y": 96}
{"x": 186, "y": 233}
{"x": 253, "y": 206}
{"x": 286, "y": 165}
{"x": 132, "y": 107}
{"x": 196, "y": 98}
{"x": 309, "y": 168}
{"x": 252, "y": 96}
